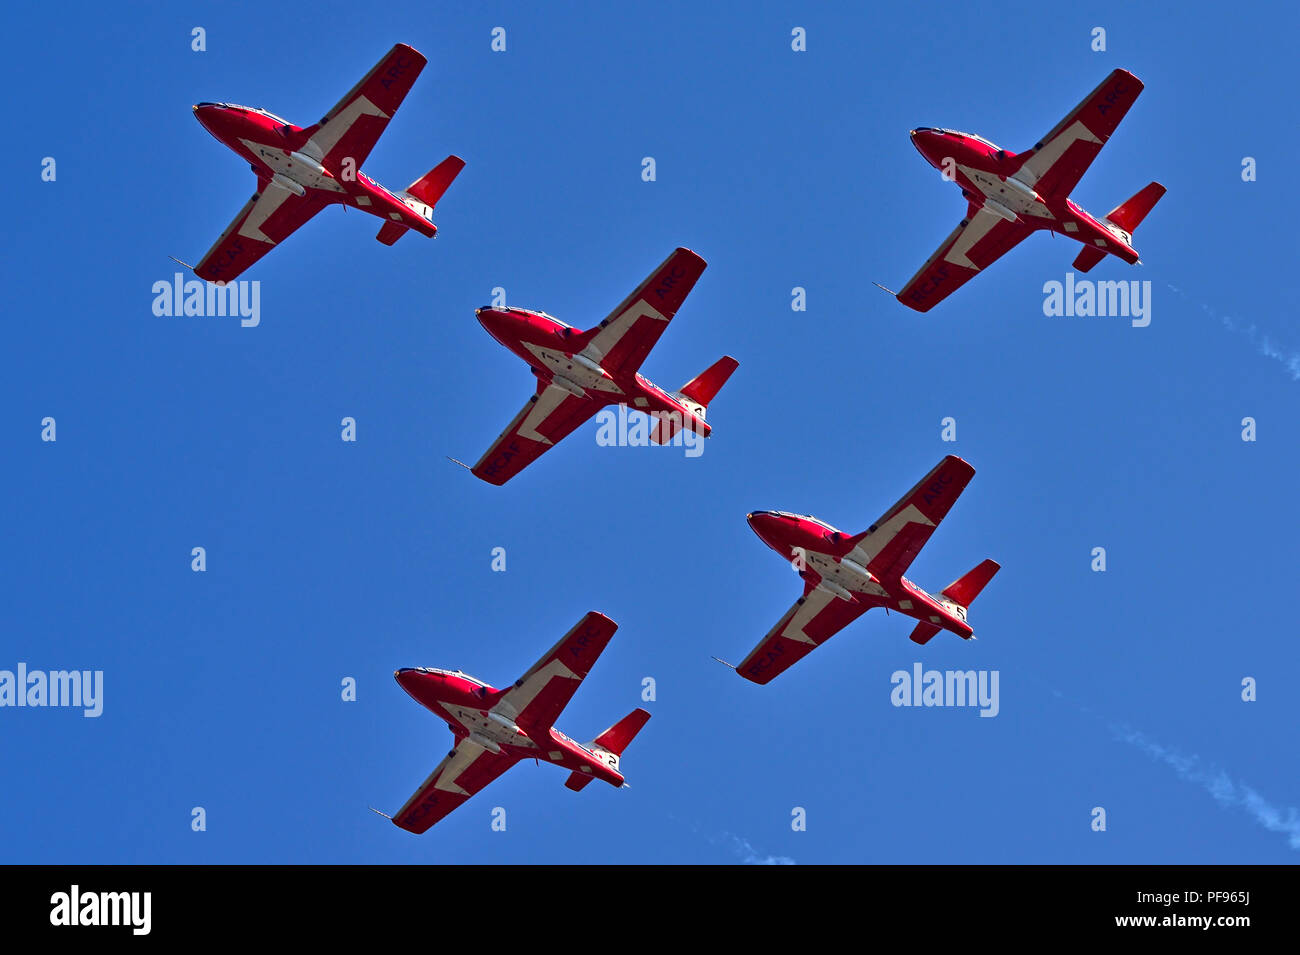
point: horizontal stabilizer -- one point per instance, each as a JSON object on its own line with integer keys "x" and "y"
{"x": 391, "y": 232}
{"x": 968, "y": 586}
{"x": 616, "y": 738}
{"x": 1130, "y": 213}
{"x": 578, "y": 780}
{"x": 430, "y": 187}
{"x": 1089, "y": 257}
{"x": 923, "y": 632}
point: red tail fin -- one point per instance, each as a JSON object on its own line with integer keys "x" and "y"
{"x": 696, "y": 395}
{"x": 1130, "y": 213}
{"x": 430, "y": 187}
{"x": 968, "y": 586}
{"x": 616, "y": 738}
{"x": 704, "y": 387}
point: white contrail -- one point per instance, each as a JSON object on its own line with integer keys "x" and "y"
{"x": 1224, "y": 790}
{"x": 1262, "y": 342}
{"x": 745, "y": 852}
{"x": 748, "y": 855}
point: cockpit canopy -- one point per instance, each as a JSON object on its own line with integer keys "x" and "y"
{"x": 956, "y": 132}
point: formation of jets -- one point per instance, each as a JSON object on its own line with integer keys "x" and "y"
{"x": 301, "y": 170}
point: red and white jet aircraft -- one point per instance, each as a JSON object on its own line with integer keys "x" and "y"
{"x": 301, "y": 171}
{"x": 578, "y": 373}
{"x": 846, "y": 576}
{"x": 495, "y": 729}
{"x": 1012, "y": 195}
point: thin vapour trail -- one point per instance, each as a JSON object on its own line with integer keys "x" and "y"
{"x": 1226, "y": 791}
{"x": 1263, "y": 343}
{"x": 740, "y": 847}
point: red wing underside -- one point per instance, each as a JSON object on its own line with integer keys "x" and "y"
{"x": 466, "y": 771}
{"x": 1055, "y": 165}
{"x": 621, "y": 342}
{"x": 549, "y": 416}
{"x": 980, "y": 240}
{"x": 354, "y": 125}
{"x": 890, "y": 545}
{"x": 815, "y": 618}
{"x": 540, "y": 695}
{"x": 270, "y": 217}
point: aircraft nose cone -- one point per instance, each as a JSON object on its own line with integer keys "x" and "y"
{"x": 762, "y": 523}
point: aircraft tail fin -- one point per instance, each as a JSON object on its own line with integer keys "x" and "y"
{"x": 611, "y": 743}
{"x": 430, "y": 187}
{"x": 705, "y": 386}
{"x": 1125, "y": 217}
{"x": 1128, "y": 215}
{"x": 695, "y": 397}
{"x": 420, "y": 197}
{"x": 967, "y": 587}
{"x": 616, "y": 738}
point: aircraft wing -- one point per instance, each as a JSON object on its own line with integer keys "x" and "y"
{"x": 356, "y": 122}
{"x": 468, "y": 769}
{"x": 540, "y": 695}
{"x": 266, "y": 220}
{"x": 815, "y": 618}
{"x": 549, "y": 416}
{"x": 1055, "y": 165}
{"x": 980, "y": 240}
{"x": 621, "y": 342}
{"x": 889, "y": 546}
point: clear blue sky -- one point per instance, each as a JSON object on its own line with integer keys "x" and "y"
{"x": 329, "y": 560}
